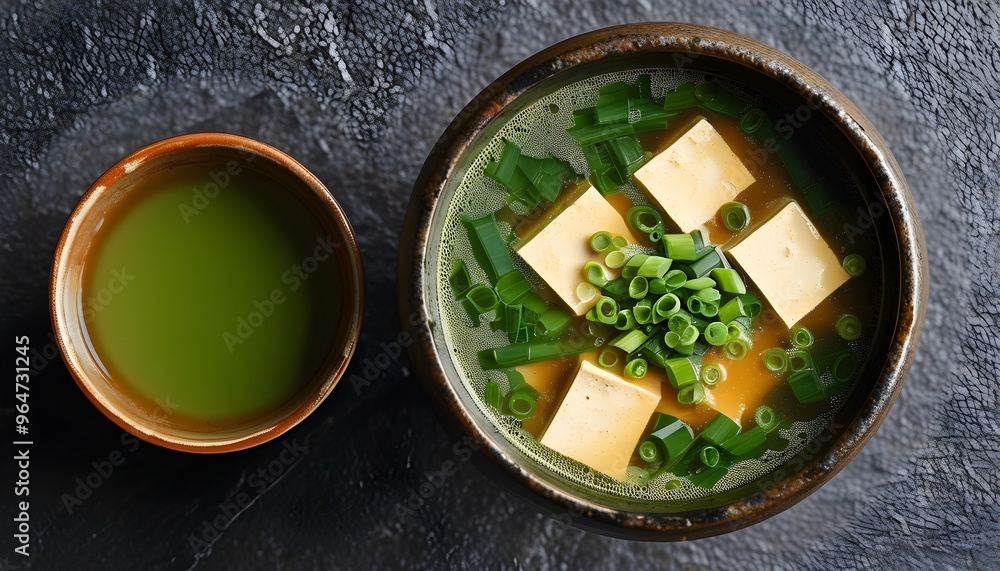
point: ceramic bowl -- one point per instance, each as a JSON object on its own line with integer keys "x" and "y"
{"x": 778, "y": 76}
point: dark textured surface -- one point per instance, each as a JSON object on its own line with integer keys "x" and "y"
{"x": 359, "y": 94}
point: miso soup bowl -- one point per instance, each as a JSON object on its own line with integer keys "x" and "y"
{"x": 72, "y": 251}
{"x": 785, "y": 80}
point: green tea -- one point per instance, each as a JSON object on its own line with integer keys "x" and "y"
{"x": 211, "y": 299}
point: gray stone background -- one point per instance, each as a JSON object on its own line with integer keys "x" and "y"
{"x": 359, "y": 93}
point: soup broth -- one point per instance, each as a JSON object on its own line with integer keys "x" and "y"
{"x": 540, "y": 130}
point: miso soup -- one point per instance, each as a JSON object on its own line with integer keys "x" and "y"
{"x": 649, "y": 281}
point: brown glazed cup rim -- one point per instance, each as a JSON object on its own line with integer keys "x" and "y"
{"x": 336, "y": 362}
{"x": 417, "y": 278}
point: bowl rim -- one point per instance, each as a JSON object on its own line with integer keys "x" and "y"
{"x": 684, "y": 38}
{"x": 352, "y": 315}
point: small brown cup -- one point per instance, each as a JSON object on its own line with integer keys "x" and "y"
{"x": 74, "y": 247}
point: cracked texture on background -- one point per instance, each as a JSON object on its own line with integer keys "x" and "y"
{"x": 359, "y": 93}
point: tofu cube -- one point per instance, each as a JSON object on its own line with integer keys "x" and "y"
{"x": 600, "y": 420}
{"x": 559, "y": 251}
{"x": 790, "y": 263}
{"x": 693, "y": 177}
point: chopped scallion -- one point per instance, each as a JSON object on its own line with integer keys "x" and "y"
{"x": 594, "y": 273}
{"x": 600, "y": 241}
{"x": 807, "y": 386}
{"x": 716, "y": 334}
{"x": 709, "y": 456}
{"x": 459, "y": 279}
{"x": 607, "y": 358}
{"x": 729, "y": 281}
{"x": 679, "y": 246}
{"x": 800, "y": 360}
{"x": 691, "y": 394}
{"x": 765, "y": 418}
{"x": 735, "y": 216}
{"x": 848, "y": 327}
{"x": 680, "y": 372}
{"x": 630, "y": 340}
{"x": 638, "y": 287}
{"x": 636, "y": 368}
{"x": 493, "y": 395}
{"x": 654, "y": 267}
{"x": 607, "y": 310}
{"x": 482, "y": 297}
{"x": 489, "y": 246}
{"x": 802, "y": 338}
{"x": 854, "y": 265}
{"x": 776, "y": 360}
{"x": 512, "y": 286}
{"x": 712, "y": 374}
{"x": 552, "y": 322}
{"x": 752, "y": 305}
{"x": 615, "y": 259}
{"x": 720, "y": 429}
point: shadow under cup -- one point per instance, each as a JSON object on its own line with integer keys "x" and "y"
{"x": 75, "y": 247}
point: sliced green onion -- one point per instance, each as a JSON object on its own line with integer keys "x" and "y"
{"x": 712, "y": 96}
{"x": 709, "y": 477}
{"x": 654, "y": 350}
{"x": 731, "y": 310}
{"x": 618, "y": 242}
{"x": 752, "y": 305}
{"x": 489, "y": 246}
{"x": 631, "y": 267}
{"x": 802, "y": 338}
{"x": 776, "y": 360}
{"x": 672, "y": 436}
{"x": 709, "y": 456}
{"x": 594, "y": 273}
{"x": 706, "y": 260}
{"x": 482, "y": 297}
{"x": 534, "y": 302}
{"x": 680, "y": 372}
{"x": 643, "y": 311}
{"x": 675, "y": 279}
{"x": 855, "y": 265}
{"x": 800, "y": 361}
{"x": 657, "y": 286}
{"x": 848, "y": 327}
{"x": 586, "y": 291}
{"x": 691, "y": 394}
{"x": 615, "y": 259}
{"x": 689, "y": 335}
{"x": 699, "y": 284}
{"x": 665, "y": 306}
{"x": 521, "y": 403}
{"x": 607, "y": 358}
{"x": 493, "y": 395}
{"x": 600, "y": 241}
{"x": 679, "y": 246}
{"x": 765, "y": 418}
{"x": 524, "y": 353}
{"x": 644, "y": 219}
{"x": 630, "y": 340}
{"x": 746, "y": 444}
{"x": 625, "y": 320}
{"x": 741, "y": 323}
{"x": 716, "y": 334}
{"x": 694, "y": 304}
{"x": 512, "y": 285}
{"x": 720, "y": 429}
{"x": 807, "y": 386}
{"x": 513, "y": 315}
{"x": 654, "y": 267}
{"x": 679, "y": 321}
{"x": 636, "y": 368}
{"x": 729, "y": 281}
{"x": 459, "y": 279}
{"x": 737, "y": 348}
{"x": 735, "y": 216}
{"x": 552, "y": 322}
{"x": 672, "y": 339}
{"x": 712, "y": 374}
{"x": 617, "y": 289}
{"x": 708, "y": 295}
{"x": 638, "y": 287}
{"x": 681, "y": 98}
{"x": 607, "y": 310}
{"x": 650, "y": 452}
{"x": 844, "y": 366}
